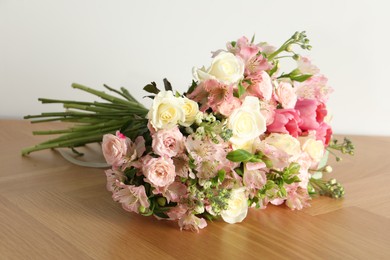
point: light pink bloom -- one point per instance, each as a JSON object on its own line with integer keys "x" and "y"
{"x": 226, "y": 107}
{"x": 307, "y": 109}
{"x": 192, "y": 222}
{"x": 168, "y": 142}
{"x": 306, "y": 67}
{"x": 181, "y": 165}
{"x": 131, "y": 197}
{"x": 254, "y": 179}
{"x": 267, "y": 109}
{"x": 297, "y": 198}
{"x": 285, "y": 94}
{"x": 260, "y": 86}
{"x": 115, "y": 148}
{"x": 286, "y": 121}
{"x": 314, "y": 88}
{"x": 160, "y": 172}
{"x": 175, "y": 192}
{"x": 113, "y": 176}
{"x": 177, "y": 212}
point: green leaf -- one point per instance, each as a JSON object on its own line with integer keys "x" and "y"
{"x": 239, "y": 155}
{"x": 167, "y": 85}
{"x": 301, "y": 78}
{"x": 241, "y": 90}
{"x": 152, "y": 88}
{"x": 294, "y": 168}
{"x": 221, "y": 175}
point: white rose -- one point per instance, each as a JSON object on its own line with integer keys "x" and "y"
{"x": 247, "y": 123}
{"x": 167, "y": 111}
{"x": 191, "y": 111}
{"x": 237, "y": 206}
{"x": 285, "y": 143}
{"x": 314, "y": 148}
{"x": 225, "y": 67}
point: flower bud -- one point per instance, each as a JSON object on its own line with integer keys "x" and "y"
{"x": 161, "y": 201}
{"x": 296, "y": 57}
{"x": 142, "y": 209}
{"x": 289, "y": 48}
{"x": 328, "y": 169}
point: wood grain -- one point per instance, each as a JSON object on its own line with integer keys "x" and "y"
{"x": 50, "y": 209}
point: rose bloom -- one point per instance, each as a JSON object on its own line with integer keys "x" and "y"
{"x": 237, "y": 206}
{"x": 115, "y": 148}
{"x": 246, "y": 122}
{"x": 167, "y": 111}
{"x": 314, "y": 148}
{"x": 168, "y": 142}
{"x": 285, "y": 94}
{"x": 225, "y": 67}
{"x": 286, "y": 121}
{"x": 191, "y": 109}
{"x": 160, "y": 172}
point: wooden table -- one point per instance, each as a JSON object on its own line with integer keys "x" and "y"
{"x": 51, "y": 209}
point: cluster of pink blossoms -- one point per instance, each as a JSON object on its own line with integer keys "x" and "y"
{"x": 244, "y": 135}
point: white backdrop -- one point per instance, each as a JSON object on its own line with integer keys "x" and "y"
{"x": 45, "y": 45}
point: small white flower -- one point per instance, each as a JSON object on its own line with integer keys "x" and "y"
{"x": 237, "y": 206}
{"x": 225, "y": 67}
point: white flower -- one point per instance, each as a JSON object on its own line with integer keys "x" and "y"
{"x": 167, "y": 111}
{"x": 314, "y": 148}
{"x": 285, "y": 143}
{"x": 247, "y": 123}
{"x": 191, "y": 111}
{"x": 225, "y": 67}
{"x": 237, "y": 206}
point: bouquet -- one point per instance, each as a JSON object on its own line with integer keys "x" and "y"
{"x": 245, "y": 134}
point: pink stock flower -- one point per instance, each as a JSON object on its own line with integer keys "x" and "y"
{"x": 286, "y": 121}
{"x": 260, "y": 86}
{"x": 115, "y": 148}
{"x": 285, "y": 94}
{"x": 192, "y": 222}
{"x": 160, "y": 172}
{"x": 169, "y": 142}
{"x": 314, "y": 88}
{"x": 131, "y": 197}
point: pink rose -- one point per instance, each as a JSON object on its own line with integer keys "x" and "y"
{"x": 160, "y": 172}
{"x": 168, "y": 142}
{"x": 131, "y": 197}
{"x": 227, "y": 107}
{"x": 285, "y": 94}
{"x": 115, "y": 148}
{"x": 286, "y": 121}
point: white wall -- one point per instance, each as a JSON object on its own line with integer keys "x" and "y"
{"x": 45, "y": 45}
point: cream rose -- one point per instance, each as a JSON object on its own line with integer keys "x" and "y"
{"x": 237, "y": 206}
{"x": 167, "y": 111}
{"x": 247, "y": 123}
{"x": 314, "y": 148}
{"x": 285, "y": 143}
{"x": 225, "y": 67}
{"x": 191, "y": 110}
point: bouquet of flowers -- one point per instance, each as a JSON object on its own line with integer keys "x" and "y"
{"x": 245, "y": 134}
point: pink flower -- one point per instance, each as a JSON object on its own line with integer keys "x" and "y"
{"x": 254, "y": 178}
{"x": 131, "y": 197}
{"x": 297, "y": 198}
{"x": 160, "y": 172}
{"x": 324, "y": 133}
{"x": 192, "y": 222}
{"x": 260, "y": 86}
{"x": 285, "y": 94}
{"x": 169, "y": 142}
{"x": 307, "y": 109}
{"x": 267, "y": 109}
{"x": 286, "y": 121}
{"x": 314, "y": 88}
{"x": 113, "y": 176}
{"x": 306, "y": 67}
{"x": 226, "y": 107}
{"x": 177, "y": 212}
{"x": 175, "y": 192}
{"x": 181, "y": 165}
{"x": 115, "y": 148}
